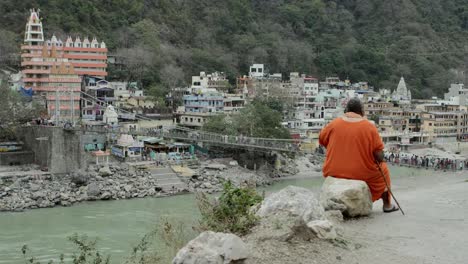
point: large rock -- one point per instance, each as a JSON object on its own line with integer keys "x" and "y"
{"x": 295, "y": 201}
{"x": 324, "y": 229}
{"x": 93, "y": 189}
{"x": 351, "y": 197}
{"x": 212, "y": 248}
{"x": 105, "y": 171}
{"x": 297, "y": 213}
{"x": 79, "y": 178}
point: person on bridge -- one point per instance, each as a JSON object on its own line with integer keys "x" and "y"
{"x": 354, "y": 150}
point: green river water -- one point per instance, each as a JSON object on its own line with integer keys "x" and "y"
{"x": 118, "y": 224}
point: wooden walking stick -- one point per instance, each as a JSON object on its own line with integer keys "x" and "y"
{"x": 388, "y": 188}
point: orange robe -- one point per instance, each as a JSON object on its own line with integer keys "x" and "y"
{"x": 350, "y": 147}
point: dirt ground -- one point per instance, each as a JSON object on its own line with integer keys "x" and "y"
{"x": 434, "y": 230}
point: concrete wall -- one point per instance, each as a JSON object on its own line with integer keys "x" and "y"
{"x": 16, "y": 158}
{"x": 60, "y": 150}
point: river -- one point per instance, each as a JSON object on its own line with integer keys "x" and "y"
{"x": 118, "y": 224}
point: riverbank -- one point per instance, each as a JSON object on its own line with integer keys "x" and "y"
{"x": 116, "y": 181}
{"x": 21, "y": 190}
{"x": 119, "y": 225}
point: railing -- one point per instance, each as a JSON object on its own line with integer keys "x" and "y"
{"x": 288, "y": 145}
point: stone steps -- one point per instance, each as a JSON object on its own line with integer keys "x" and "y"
{"x": 167, "y": 179}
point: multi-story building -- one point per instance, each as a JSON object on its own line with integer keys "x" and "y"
{"x": 214, "y": 81}
{"x": 204, "y": 102}
{"x": 233, "y": 103}
{"x": 97, "y": 94}
{"x": 53, "y": 69}
{"x": 456, "y": 95}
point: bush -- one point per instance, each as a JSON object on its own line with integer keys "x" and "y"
{"x": 172, "y": 233}
{"x": 87, "y": 252}
{"x": 231, "y": 211}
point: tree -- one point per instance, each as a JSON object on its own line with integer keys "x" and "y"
{"x": 8, "y": 47}
{"x": 15, "y": 110}
{"x": 257, "y": 119}
{"x": 219, "y": 124}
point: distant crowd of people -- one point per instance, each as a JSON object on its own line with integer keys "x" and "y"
{"x": 425, "y": 161}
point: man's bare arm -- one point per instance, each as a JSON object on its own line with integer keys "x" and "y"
{"x": 379, "y": 155}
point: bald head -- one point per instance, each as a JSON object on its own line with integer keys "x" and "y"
{"x": 354, "y": 105}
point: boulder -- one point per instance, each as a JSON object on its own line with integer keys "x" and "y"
{"x": 93, "y": 189}
{"x": 351, "y": 197}
{"x": 34, "y": 187}
{"x": 298, "y": 213}
{"x": 106, "y": 196}
{"x": 323, "y": 229}
{"x": 105, "y": 171}
{"x": 207, "y": 185}
{"x": 212, "y": 248}
{"x": 295, "y": 201}
{"x": 79, "y": 178}
{"x": 38, "y": 195}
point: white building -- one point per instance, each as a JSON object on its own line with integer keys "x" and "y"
{"x": 110, "y": 116}
{"x": 402, "y": 94}
{"x": 456, "y": 95}
{"x": 257, "y": 71}
{"x": 204, "y": 82}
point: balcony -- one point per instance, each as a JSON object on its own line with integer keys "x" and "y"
{"x": 107, "y": 99}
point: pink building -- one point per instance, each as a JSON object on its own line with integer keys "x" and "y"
{"x": 54, "y": 69}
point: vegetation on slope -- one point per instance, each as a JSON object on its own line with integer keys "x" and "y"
{"x": 163, "y": 43}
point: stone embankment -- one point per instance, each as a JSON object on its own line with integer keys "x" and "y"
{"x": 113, "y": 182}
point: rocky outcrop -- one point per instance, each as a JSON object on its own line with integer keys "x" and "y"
{"x": 121, "y": 182}
{"x": 213, "y": 248}
{"x": 351, "y": 197}
{"x": 295, "y": 212}
{"x": 211, "y": 177}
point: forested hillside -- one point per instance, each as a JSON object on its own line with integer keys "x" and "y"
{"x": 164, "y": 42}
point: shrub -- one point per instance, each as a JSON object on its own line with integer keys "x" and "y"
{"x": 87, "y": 252}
{"x": 231, "y": 211}
{"x": 172, "y": 233}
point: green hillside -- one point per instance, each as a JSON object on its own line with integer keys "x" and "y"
{"x": 164, "y": 42}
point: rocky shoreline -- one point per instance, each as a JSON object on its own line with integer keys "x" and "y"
{"x": 121, "y": 181}
{"x": 107, "y": 183}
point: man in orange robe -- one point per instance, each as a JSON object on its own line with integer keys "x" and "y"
{"x": 354, "y": 148}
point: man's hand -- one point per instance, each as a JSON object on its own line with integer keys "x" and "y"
{"x": 379, "y": 156}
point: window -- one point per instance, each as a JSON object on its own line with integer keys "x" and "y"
{"x": 199, "y": 120}
{"x": 430, "y": 124}
{"x": 191, "y": 120}
{"x": 260, "y": 70}
{"x": 253, "y": 69}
